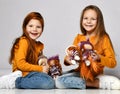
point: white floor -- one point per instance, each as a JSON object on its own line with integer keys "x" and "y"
{"x": 58, "y": 91}
{"x": 53, "y": 91}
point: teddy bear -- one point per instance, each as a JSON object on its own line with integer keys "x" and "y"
{"x": 87, "y": 51}
{"x": 55, "y": 66}
{"x": 72, "y": 55}
{"x": 88, "y": 61}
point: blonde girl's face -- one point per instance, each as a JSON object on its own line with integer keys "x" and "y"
{"x": 89, "y": 21}
{"x": 34, "y": 29}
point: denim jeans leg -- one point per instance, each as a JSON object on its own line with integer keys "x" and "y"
{"x": 70, "y": 81}
{"x": 35, "y": 80}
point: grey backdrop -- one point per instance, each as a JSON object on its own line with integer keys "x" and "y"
{"x": 61, "y": 25}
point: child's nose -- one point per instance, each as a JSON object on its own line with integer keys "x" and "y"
{"x": 34, "y": 28}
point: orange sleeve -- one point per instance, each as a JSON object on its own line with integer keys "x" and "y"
{"x": 20, "y": 58}
{"x": 108, "y": 58}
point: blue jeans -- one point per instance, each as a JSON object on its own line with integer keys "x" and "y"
{"x": 70, "y": 80}
{"x": 35, "y": 80}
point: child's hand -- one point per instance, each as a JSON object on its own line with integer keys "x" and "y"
{"x": 46, "y": 68}
{"x": 95, "y": 57}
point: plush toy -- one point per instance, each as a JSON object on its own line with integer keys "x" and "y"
{"x": 72, "y": 55}
{"x": 42, "y": 60}
{"x": 89, "y": 66}
{"x": 55, "y": 66}
{"x": 86, "y": 57}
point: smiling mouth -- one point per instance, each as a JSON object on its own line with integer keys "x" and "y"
{"x": 34, "y": 34}
{"x": 88, "y": 25}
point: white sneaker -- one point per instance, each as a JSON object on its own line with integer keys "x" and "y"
{"x": 109, "y": 82}
{"x": 8, "y": 81}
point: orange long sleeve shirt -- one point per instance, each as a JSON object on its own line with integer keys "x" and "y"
{"x": 19, "y": 62}
{"x": 105, "y": 50}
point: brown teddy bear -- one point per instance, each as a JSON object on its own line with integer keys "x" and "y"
{"x": 72, "y": 55}
{"x": 89, "y": 66}
{"x": 55, "y": 66}
{"x": 88, "y": 59}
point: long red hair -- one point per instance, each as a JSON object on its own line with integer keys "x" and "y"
{"x": 31, "y": 57}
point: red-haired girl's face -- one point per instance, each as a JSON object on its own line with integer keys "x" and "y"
{"x": 34, "y": 29}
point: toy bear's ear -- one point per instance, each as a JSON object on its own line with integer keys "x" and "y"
{"x": 55, "y": 57}
{"x": 42, "y": 60}
{"x": 71, "y": 47}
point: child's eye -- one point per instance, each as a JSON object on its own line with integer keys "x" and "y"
{"x": 30, "y": 25}
{"x": 85, "y": 18}
{"x": 93, "y": 19}
{"x": 39, "y": 26}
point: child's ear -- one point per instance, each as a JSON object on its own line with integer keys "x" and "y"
{"x": 69, "y": 48}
